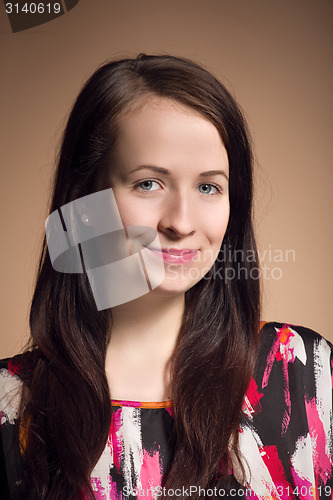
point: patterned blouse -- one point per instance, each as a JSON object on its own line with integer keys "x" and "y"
{"x": 286, "y": 434}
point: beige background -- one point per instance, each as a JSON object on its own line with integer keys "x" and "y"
{"x": 275, "y": 56}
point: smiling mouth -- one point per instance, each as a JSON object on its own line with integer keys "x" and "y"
{"x": 176, "y": 256}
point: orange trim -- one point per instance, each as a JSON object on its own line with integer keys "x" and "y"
{"x": 262, "y": 324}
{"x": 142, "y": 404}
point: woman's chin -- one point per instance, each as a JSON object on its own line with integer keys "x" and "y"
{"x": 172, "y": 286}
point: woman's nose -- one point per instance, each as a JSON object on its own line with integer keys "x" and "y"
{"x": 177, "y": 217}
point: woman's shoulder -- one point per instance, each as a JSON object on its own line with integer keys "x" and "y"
{"x": 295, "y": 352}
{"x": 19, "y": 366}
{"x": 13, "y": 372}
{"x": 288, "y": 412}
{"x": 292, "y": 340}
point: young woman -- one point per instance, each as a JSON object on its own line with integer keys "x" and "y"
{"x": 179, "y": 392}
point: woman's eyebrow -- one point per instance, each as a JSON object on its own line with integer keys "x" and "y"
{"x": 162, "y": 170}
{"x": 209, "y": 173}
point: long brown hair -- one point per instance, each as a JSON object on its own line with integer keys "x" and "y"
{"x": 66, "y": 402}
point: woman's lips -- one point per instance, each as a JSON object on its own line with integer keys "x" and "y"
{"x": 175, "y": 255}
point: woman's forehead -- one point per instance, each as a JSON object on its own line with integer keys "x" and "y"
{"x": 167, "y": 134}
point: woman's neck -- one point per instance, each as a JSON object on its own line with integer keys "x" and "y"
{"x": 143, "y": 338}
{"x": 152, "y": 319}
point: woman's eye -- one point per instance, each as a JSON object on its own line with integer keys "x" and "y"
{"x": 148, "y": 185}
{"x": 209, "y": 189}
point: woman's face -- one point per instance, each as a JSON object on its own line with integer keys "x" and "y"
{"x": 170, "y": 172}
